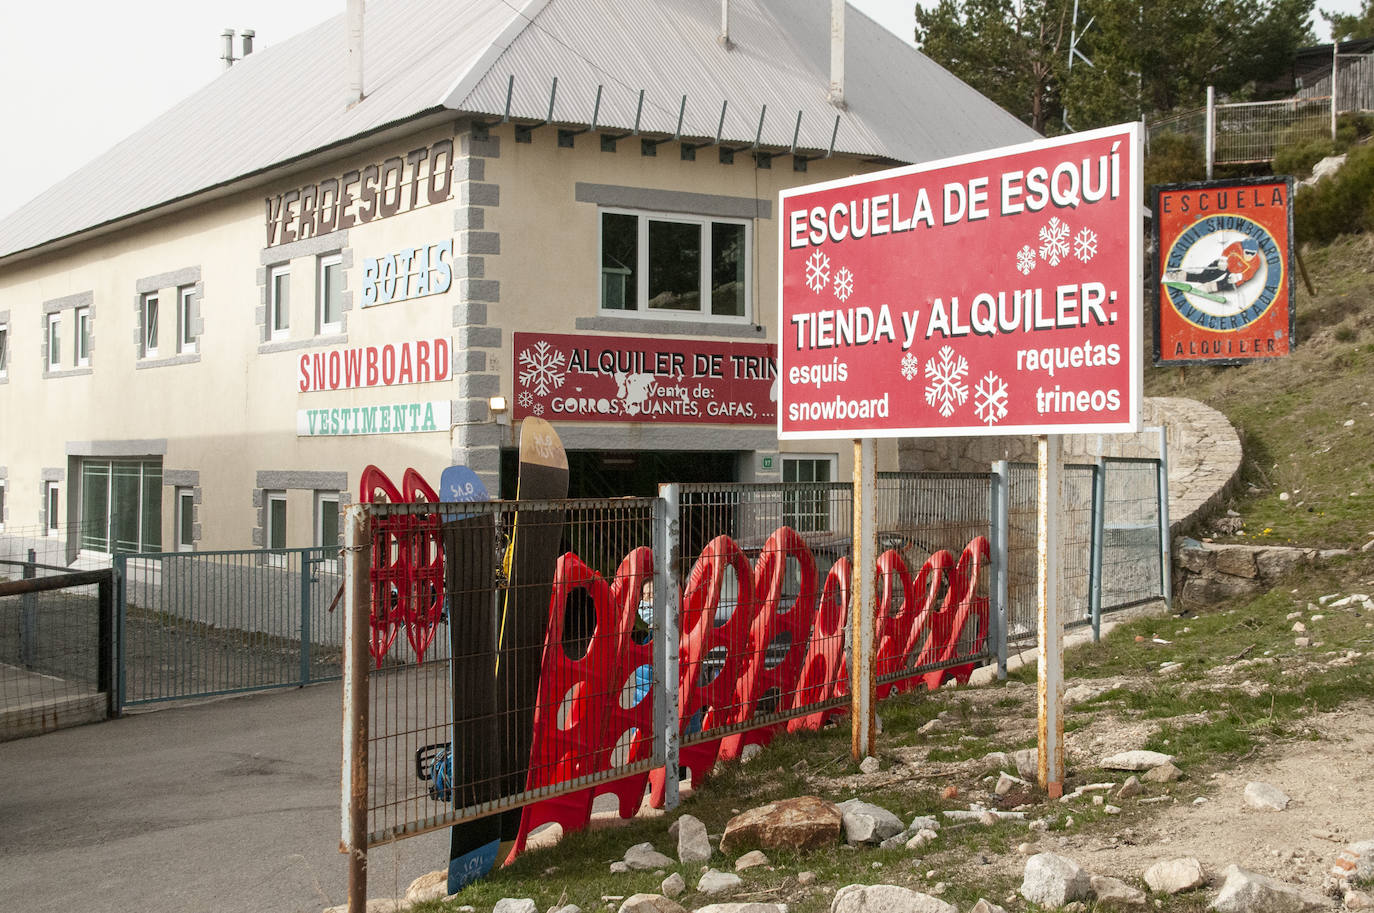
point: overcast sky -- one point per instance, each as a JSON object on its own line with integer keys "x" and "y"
{"x": 80, "y": 75}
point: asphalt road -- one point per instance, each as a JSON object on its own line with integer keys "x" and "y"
{"x": 224, "y": 806}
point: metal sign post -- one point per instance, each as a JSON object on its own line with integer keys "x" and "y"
{"x": 1050, "y": 642}
{"x": 357, "y": 553}
{"x": 862, "y": 686}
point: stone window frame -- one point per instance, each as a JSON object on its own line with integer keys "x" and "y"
{"x": 168, "y": 287}
{"x": 4, "y": 494}
{"x": 58, "y": 308}
{"x": 270, "y": 481}
{"x": 283, "y": 256}
{"x": 184, "y": 480}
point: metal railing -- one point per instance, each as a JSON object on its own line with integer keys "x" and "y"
{"x": 196, "y": 624}
{"x": 56, "y": 646}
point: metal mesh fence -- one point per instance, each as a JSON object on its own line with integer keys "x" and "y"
{"x": 194, "y": 624}
{"x": 55, "y": 647}
{"x": 1131, "y": 547}
{"x": 1250, "y": 132}
{"x": 1075, "y": 548}
{"x": 529, "y": 626}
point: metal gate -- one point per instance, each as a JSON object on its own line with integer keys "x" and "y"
{"x": 196, "y": 624}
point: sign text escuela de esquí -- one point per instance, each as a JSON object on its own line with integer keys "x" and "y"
{"x": 995, "y": 293}
{"x": 567, "y": 377}
{"x": 1223, "y": 289}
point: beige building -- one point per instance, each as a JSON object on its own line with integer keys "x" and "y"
{"x": 342, "y": 254}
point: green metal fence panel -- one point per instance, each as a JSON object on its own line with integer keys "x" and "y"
{"x": 196, "y": 624}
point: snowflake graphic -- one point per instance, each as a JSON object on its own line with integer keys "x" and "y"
{"x": 910, "y": 366}
{"x": 844, "y": 283}
{"x": 1025, "y": 259}
{"x": 990, "y": 399}
{"x": 525, "y": 399}
{"x": 1054, "y": 241}
{"x": 945, "y": 376}
{"x": 538, "y": 408}
{"x": 1085, "y": 245}
{"x": 817, "y": 271}
{"x": 543, "y": 368}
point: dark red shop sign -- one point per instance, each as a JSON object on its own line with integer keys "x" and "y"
{"x": 574, "y": 378}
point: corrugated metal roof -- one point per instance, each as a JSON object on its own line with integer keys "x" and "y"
{"x": 288, "y": 100}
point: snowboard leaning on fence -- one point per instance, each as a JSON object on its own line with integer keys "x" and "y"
{"x": 498, "y": 645}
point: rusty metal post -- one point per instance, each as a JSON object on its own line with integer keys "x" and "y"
{"x": 357, "y": 554}
{"x": 1050, "y": 640}
{"x": 863, "y": 605}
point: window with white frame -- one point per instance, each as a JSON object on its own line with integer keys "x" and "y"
{"x": 83, "y": 337}
{"x": 329, "y": 294}
{"x": 121, "y": 505}
{"x": 276, "y": 519}
{"x": 186, "y": 319}
{"x": 661, "y": 265}
{"x": 186, "y": 519}
{"x": 148, "y": 315}
{"x": 279, "y": 300}
{"x": 327, "y": 522}
{"x": 54, "y": 342}
{"x": 806, "y": 502}
{"x": 51, "y": 505}
{"x": 4, "y": 350}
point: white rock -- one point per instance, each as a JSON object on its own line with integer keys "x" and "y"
{"x": 1299, "y": 628}
{"x": 753, "y": 907}
{"x": 1173, "y": 876}
{"x": 619, "y": 867}
{"x": 1358, "y": 900}
{"x": 693, "y": 845}
{"x": 1027, "y": 762}
{"x": 1264, "y": 797}
{"x": 868, "y": 823}
{"x": 806, "y": 878}
{"x": 566, "y": 908}
{"x": 515, "y": 905}
{"x": 1355, "y": 862}
{"x": 1052, "y": 880}
{"x": 713, "y": 882}
{"x": 870, "y": 765}
{"x": 750, "y": 752}
{"x": 673, "y": 885}
{"x": 430, "y": 886}
{"x": 886, "y": 898}
{"x": 1130, "y": 788}
{"x": 1247, "y": 892}
{"x": 750, "y": 859}
{"x": 921, "y": 840}
{"x": 642, "y": 857}
{"x": 924, "y": 822}
{"x": 1083, "y": 692}
{"x": 1006, "y": 783}
{"x": 650, "y": 903}
{"x": 1116, "y": 893}
{"x": 1135, "y": 760}
{"x": 375, "y": 905}
{"x": 986, "y": 906}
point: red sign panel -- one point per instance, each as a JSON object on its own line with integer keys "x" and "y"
{"x": 1224, "y": 292}
{"x": 633, "y": 379}
{"x": 997, "y": 293}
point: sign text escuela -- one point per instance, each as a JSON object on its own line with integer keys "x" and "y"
{"x": 996, "y": 293}
{"x": 563, "y": 377}
{"x": 1224, "y": 273}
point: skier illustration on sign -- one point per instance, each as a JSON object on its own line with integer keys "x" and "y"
{"x": 1238, "y": 263}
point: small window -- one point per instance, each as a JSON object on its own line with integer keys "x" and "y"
{"x": 51, "y": 503}
{"x": 186, "y": 319}
{"x": 54, "y": 342}
{"x": 806, "y": 505}
{"x": 186, "y": 520}
{"x": 329, "y": 292}
{"x": 276, "y": 519}
{"x": 279, "y": 300}
{"x": 327, "y": 522}
{"x": 83, "y": 337}
{"x": 4, "y": 349}
{"x": 149, "y": 315}
{"x": 686, "y": 266}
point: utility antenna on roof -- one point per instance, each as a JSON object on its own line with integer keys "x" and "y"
{"x": 1074, "y": 35}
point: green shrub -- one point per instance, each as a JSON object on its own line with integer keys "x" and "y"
{"x": 1340, "y": 204}
{"x": 1298, "y": 159}
{"x": 1174, "y": 158}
